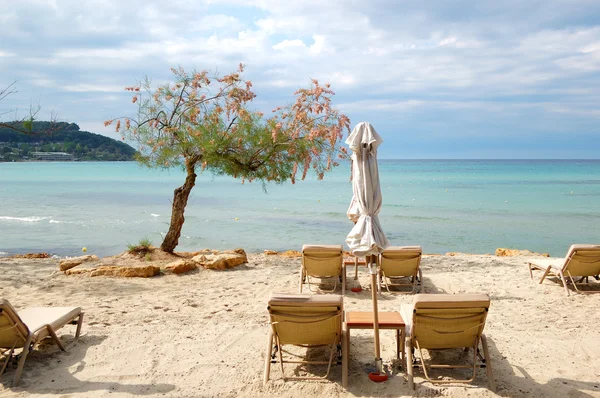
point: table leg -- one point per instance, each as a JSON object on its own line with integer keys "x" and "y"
{"x": 345, "y": 355}
{"x": 397, "y": 343}
{"x": 403, "y": 348}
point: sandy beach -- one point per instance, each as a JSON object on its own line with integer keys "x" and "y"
{"x": 204, "y": 334}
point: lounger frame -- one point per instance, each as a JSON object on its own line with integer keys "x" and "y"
{"x": 324, "y": 262}
{"x": 26, "y": 339}
{"x": 398, "y": 263}
{"x": 448, "y": 325}
{"x": 305, "y": 321}
{"x": 581, "y": 262}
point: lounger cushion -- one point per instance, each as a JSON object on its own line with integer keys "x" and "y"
{"x": 451, "y": 300}
{"x": 582, "y": 247}
{"x": 305, "y": 300}
{"x": 56, "y": 317}
{"x": 321, "y": 248}
{"x": 403, "y": 249}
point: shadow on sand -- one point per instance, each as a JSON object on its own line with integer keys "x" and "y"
{"x": 64, "y": 367}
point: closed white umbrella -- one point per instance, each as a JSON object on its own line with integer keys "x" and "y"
{"x": 366, "y": 237}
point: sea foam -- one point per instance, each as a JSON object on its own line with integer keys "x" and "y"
{"x": 24, "y": 219}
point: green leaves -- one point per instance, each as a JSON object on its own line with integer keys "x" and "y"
{"x": 205, "y": 121}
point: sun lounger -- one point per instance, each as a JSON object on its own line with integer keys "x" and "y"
{"x": 398, "y": 263}
{"x": 323, "y": 262}
{"x": 581, "y": 262}
{"x": 444, "y": 321}
{"x": 23, "y": 330}
{"x": 308, "y": 321}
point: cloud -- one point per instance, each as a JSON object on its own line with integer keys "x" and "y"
{"x": 524, "y": 65}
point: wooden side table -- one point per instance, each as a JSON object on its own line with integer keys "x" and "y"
{"x": 387, "y": 320}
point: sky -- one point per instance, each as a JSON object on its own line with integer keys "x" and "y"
{"x": 440, "y": 79}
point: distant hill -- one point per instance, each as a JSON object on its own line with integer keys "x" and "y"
{"x": 60, "y": 137}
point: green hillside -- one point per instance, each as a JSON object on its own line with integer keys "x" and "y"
{"x": 60, "y": 137}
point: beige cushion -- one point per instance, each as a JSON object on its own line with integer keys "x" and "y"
{"x": 586, "y": 251}
{"x": 451, "y": 300}
{"x": 321, "y": 248}
{"x": 582, "y": 247}
{"x": 56, "y": 317}
{"x": 403, "y": 249}
{"x": 305, "y": 300}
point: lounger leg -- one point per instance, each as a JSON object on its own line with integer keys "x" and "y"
{"x": 545, "y": 274}
{"x": 530, "y": 271}
{"x": 409, "y": 364}
{"x": 8, "y": 357}
{"x": 301, "y": 279}
{"x": 55, "y": 338}
{"x": 79, "y": 323}
{"x": 488, "y": 364}
{"x": 573, "y": 281}
{"x": 268, "y": 358}
{"x": 420, "y": 280}
{"x": 26, "y": 349}
{"x": 564, "y": 282}
{"x": 345, "y": 359}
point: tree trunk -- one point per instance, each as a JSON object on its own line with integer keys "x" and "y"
{"x": 180, "y": 198}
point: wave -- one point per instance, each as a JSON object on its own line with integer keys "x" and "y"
{"x": 52, "y": 221}
{"x": 24, "y": 219}
{"x": 155, "y": 215}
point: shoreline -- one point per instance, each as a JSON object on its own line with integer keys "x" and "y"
{"x": 499, "y": 252}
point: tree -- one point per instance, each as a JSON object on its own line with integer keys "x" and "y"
{"x": 202, "y": 121}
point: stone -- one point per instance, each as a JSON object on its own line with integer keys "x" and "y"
{"x": 69, "y": 263}
{"x": 271, "y": 252}
{"x": 78, "y": 271}
{"x": 291, "y": 253}
{"x": 222, "y": 260}
{"x": 502, "y": 252}
{"x": 180, "y": 266}
{"x": 32, "y": 255}
{"x": 126, "y": 272}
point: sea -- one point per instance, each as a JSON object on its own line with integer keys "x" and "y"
{"x": 469, "y": 206}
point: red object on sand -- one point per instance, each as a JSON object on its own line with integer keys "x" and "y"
{"x": 378, "y": 377}
{"x": 356, "y": 289}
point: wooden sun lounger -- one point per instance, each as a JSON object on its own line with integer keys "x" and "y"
{"x": 398, "y": 263}
{"x": 324, "y": 262}
{"x": 308, "y": 321}
{"x": 581, "y": 262}
{"x": 23, "y": 330}
{"x": 445, "y": 321}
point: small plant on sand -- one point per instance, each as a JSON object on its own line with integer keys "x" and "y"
{"x": 142, "y": 248}
{"x": 202, "y": 121}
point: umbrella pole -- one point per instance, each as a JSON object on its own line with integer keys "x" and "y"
{"x": 372, "y": 260}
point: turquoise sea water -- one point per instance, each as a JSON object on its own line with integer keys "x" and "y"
{"x": 443, "y": 205}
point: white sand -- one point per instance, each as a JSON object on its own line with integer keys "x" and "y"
{"x": 204, "y": 334}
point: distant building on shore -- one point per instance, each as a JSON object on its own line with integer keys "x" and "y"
{"x": 52, "y": 156}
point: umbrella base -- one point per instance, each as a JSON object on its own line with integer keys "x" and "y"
{"x": 378, "y": 377}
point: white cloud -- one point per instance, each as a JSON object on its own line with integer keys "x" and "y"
{"x": 286, "y": 44}
{"x": 415, "y": 58}
{"x": 86, "y": 88}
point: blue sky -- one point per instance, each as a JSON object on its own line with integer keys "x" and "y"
{"x": 443, "y": 79}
